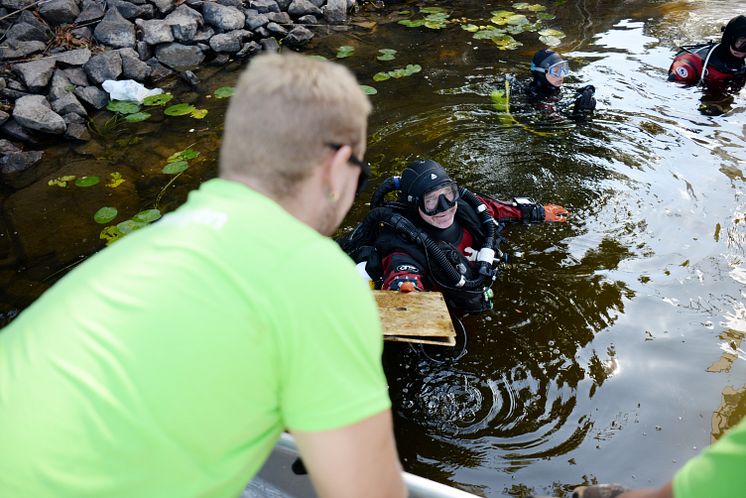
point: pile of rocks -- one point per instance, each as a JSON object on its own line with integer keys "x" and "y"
{"x": 56, "y": 53}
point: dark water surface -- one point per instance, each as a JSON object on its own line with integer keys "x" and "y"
{"x": 613, "y": 352}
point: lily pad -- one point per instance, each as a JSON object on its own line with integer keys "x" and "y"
{"x": 160, "y": 99}
{"x": 110, "y": 235}
{"x": 105, "y": 215}
{"x": 224, "y": 92}
{"x": 123, "y": 106}
{"x": 412, "y": 69}
{"x": 536, "y": 7}
{"x": 183, "y": 155}
{"x": 500, "y": 17}
{"x": 129, "y": 226}
{"x": 368, "y": 90}
{"x": 552, "y": 32}
{"x": 345, "y": 51}
{"x": 506, "y": 42}
{"x": 488, "y": 34}
{"x": 435, "y": 24}
{"x": 87, "y": 181}
{"x": 199, "y": 113}
{"x": 432, "y": 10}
{"x": 116, "y": 179}
{"x": 147, "y": 216}
{"x": 545, "y": 16}
{"x": 386, "y": 54}
{"x": 550, "y": 41}
{"x": 382, "y": 76}
{"x": 179, "y": 109}
{"x": 61, "y": 181}
{"x": 175, "y": 168}
{"x": 137, "y": 117}
{"x": 471, "y": 28}
{"x": 518, "y": 20}
{"x": 521, "y": 5}
{"x": 318, "y": 57}
{"x": 412, "y": 24}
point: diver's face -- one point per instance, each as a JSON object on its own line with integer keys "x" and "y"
{"x": 555, "y": 80}
{"x": 740, "y": 47}
{"x": 441, "y": 220}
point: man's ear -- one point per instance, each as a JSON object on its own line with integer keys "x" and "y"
{"x": 333, "y": 172}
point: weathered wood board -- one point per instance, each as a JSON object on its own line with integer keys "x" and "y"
{"x": 419, "y": 317}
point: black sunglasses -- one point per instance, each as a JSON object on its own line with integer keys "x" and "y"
{"x": 364, "y": 168}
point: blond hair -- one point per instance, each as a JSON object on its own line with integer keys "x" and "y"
{"x": 285, "y": 112}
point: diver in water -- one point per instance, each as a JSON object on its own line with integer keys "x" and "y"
{"x": 715, "y": 66}
{"x": 546, "y": 91}
{"x": 438, "y": 236}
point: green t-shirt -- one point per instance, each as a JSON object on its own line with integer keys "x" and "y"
{"x": 168, "y": 364}
{"x": 718, "y": 472}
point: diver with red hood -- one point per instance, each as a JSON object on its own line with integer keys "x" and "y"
{"x": 716, "y": 66}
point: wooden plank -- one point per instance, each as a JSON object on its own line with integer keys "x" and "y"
{"x": 419, "y": 317}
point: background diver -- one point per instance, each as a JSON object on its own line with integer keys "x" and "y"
{"x": 438, "y": 236}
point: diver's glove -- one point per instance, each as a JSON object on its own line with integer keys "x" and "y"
{"x": 553, "y": 212}
{"x": 531, "y": 211}
{"x": 585, "y": 102}
{"x": 599, "y": 491}
{"x": 406, "y": 284}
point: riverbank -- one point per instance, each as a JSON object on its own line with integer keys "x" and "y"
{"x": 55, "y": 55}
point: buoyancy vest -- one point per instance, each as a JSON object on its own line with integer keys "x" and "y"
{"x": 701, "y": 64}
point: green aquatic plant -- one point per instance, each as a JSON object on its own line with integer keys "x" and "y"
{"x": 175, "y": 167}
{"x": 87, "y": 181}
{"x": 488, "y": 33}
{"x": 551, "y": 37}
{"x": 105, "y": 215}
{"x": 179, "y": 109}
{"x": 224, "y": 92}
{"x": 471, "y": 28}
{"x": 137, "y": 117}
{"x": 435, "y": 18}
{"x": 123, "y": 106}
{"x": 176, "y": 164}
{"x": 345, "y": 51}
{"x": 147, "y": 216}
{"x": 115, "y": 179}
{"x": 368, "y": 90}
{"x": 386, "y": 54}
{"x": 157, "y": 100}
{"x": 61, "y": 181}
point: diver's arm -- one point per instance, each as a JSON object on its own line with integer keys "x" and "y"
{"x": 399, "y": 269}
{"x": 523, "y": 209}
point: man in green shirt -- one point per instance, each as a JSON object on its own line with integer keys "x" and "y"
{"x": 168, "y": 364}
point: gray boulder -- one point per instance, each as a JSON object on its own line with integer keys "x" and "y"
{"x": 318, "y": 3}
{"x": 178, "y": 56}
{"x": 16, "y": 162}
{"x": 132, "y": 67}
{"x": 93, "y": 96}
{"x": 73, "y": 118}
{"x": 15, "y": 4}
{"x": 204, "y": 34}
{"x": 60, "y": 85}
{"x": 144, "y": 51}
{"x": 164, "y": 6}
{"x": 248, "y": 49}
{"x": 227, "y": 42}
{"x": 35, "y": 74}
{"x": 279, "y": 17}
{"x": 4, "y": 116}
{"x": 68, "y": 104}
{"x": 270, "y": 45}
{"x": 7, "y": 147}
{"x": 92, "y": 10}
{"x": 76, "y": 57}
{"x": 298, "y": 37}
{"x": 58, "y": 12}
{"x": 335, "y": 11}
{"x": 262, "y": 32}
{"x": 13, "y": 49}
{"x": 130, "y": 10}
{"x": 309, "y": 19}
{"x": 222, "y": 17}
{"x": 16, "y": 132}
{"x": 264, "y": 6}
{"x": 256, "y": 21}
{"x": 276, "y": 29}
{"x": 104, "y": 66}
{"x": 184, "y": 22}
{"x": 158, "y": 71}
{"x": 284, "y": 4}
{"x": 33, "y": 112}
{"x": 115, "y": 31}
{"x": 83, "y": 33}
{"x": 78, "y": 131}
{"x": 301, "y": 8}
{"x": 76, "y": 76}
{"x": 155, "y": 31}
{"x": 23, "y": 31}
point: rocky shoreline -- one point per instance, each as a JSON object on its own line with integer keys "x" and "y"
{"x": 55, "y": 54}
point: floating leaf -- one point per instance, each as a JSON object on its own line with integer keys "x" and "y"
{"x": 500, "y": 100}
{"x": 440, "y": 17}
{"x": 182, "y": 155}
{"x": 199, "y": 113}
{"x": 521, "y": 5}
{"x": 381, "y": 76}
{"x": 552, "y": 32}
{"x": 179, "y": 109}
{"x": 368, "y": 90}
{"x": 506, "y": 42}
{"x": 412, "y": 24}
{"x": 87, "y": 181}
{"x": 545, "y": 16}
{"x": 116, "y": 180}
{"x": 345, "y": 51}
{"x": 432, "y": 10}
{"x": 518, "y": 20}
{"x": 224, "y": 92}
{"x": 61, "y": 181}
{"x": 175, "y": 167}
{"x": 123, "y": 106}
{"x": 405, "y": 12}
{"x": 160, "y": 99}
{"x": 137, "y": 117}
{"x": 129, "y": 226}
{"x": 488, "y": 34}
{"x": 412, "y": 69}
{"x": 147, "y": 216}
{"x": 398, "y": 73}
{"x": 536, "y": 7}
{"x": 515, "y": 30}
{"x": 386, "y": 54}
{"x": 471, "y": 28}
{"x": 500, "y": 17}
{"x": 318, "y": 57}
{"x": 550, "y": 41}
{"x": 435, "y": 24}
{"x": 110, "y": 235}
{"x": 105, "y": 215}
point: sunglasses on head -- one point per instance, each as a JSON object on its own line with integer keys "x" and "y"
{"x": 364, "y": 167}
